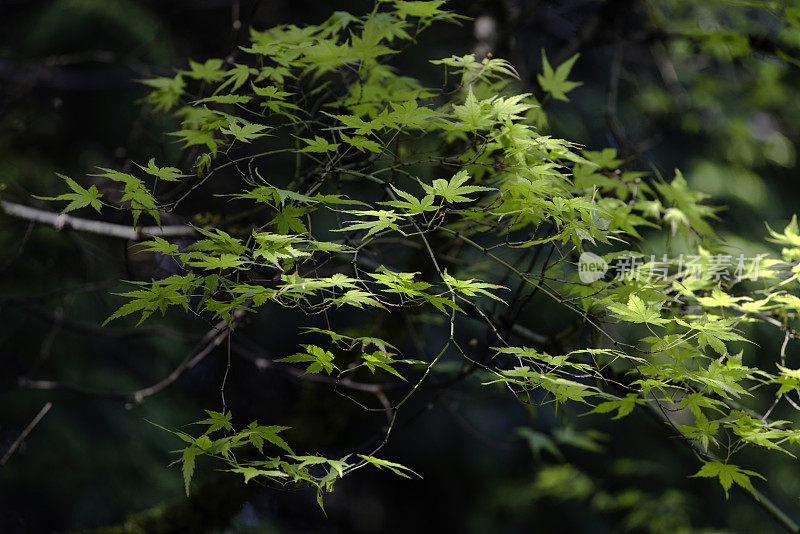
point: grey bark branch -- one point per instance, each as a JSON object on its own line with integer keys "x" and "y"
{"x": 62, "y": 221}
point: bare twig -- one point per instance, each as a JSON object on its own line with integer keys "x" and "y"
{"x": 211, "y": 340}
{"x": 17, "y": 442}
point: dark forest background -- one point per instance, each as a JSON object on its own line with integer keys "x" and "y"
{"x": 70, "y": 101}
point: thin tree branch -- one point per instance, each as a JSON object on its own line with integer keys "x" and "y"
{"x": 17, "y": 442}
{"x": 62, "y": 221}
{"x": 211, "y": 340}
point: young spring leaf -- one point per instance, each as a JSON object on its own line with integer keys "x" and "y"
{"x": 169, "y": 174}
{"x": 319, "y": 359}
{"x": 454, "y": 190}
{"x": 555, "y": 81}
{"x": 728, "y": 474}
{"x": 394, "y": 467}
{"x": 79, "y": 198}
{"x": 638, "y": 311}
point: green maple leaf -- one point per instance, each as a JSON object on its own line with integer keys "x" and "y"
{"x": 604, "y": 159}
{"x": 224, "y": 99}
{"x": 197, "y": 137}
{"x": 555, "y": 81}
{"x": 162, "y": 246}
{"x": 411, "y": 204}
{"x": 319, "y": 359}
{"x": 637, "y": 311}
{"x": 270, "y": 92}
{"x": 358, "y": 299}
{"x": 210, "y": 71}
{"x": 687, "y": 212}
{"x": 384, "y": 220}
{"x": 79, "y": 198}
{"x": 720, "y": 299}
{"x": 396, "y": 468}
{"x": 325, "y": 55}
{"x": 624, "y": 406}
{"x": 362, "y": 143}
{"x": 237, "y": 76}
{"x": 216, "y": 421}
{"x": 274, "y": 247}
{"x": 223, "y": 261}
{"x": 790, "y": 235}
{"x": 381, "y": 360}
{"x": 509, "y": 108}
{"x": 159, "y": 296}
{"x": 761, "y": 434}
{"x": 417, "y": 8}
{"x": 473, "y": 287}
{"x": 270, "y": 434}
{"x": 454, "y": 190}
{"x": 187, "y": 467}
{"x": 473, "y": 115}
{"x": 169, "y": 174}
{"x": 401, "y": 283}
{"x": 319, "y": 144}
{"x": 704, "y": 431}
{"x": 244, "y": 133}
{"x": 360, "y": 126}
{"x": 166, "y": 92}
{"x": 713, "y": 332}
{"x": 410, "y": 115}
{"x": 289, "y": 218}
{"x": 727, "y": 474}
{"x": 696, "y": 401}
{"x": 134, "y": 192}
{"x": 250, "y": 473}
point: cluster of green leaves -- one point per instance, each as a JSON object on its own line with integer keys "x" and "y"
{"x": 379, "y": 157}
{"x": 279, "y": 464}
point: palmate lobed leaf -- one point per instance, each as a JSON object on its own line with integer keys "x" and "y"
{"x": 166, "y": 92}
{"x": 623, "y": 406}
{"x": 319, "y": 359}
{"x": 79, "y": 198}
{"x": 169, "y": 174}
{"x": 453, "y": 190}
{"x": 394, "y": 467}
{"x": 638, "y": 311}
{"x": 555, "y": 81}
{"x": 318, "y": 145}
{"x": 728, "y": 474}
{"x": 246, "y": 132}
